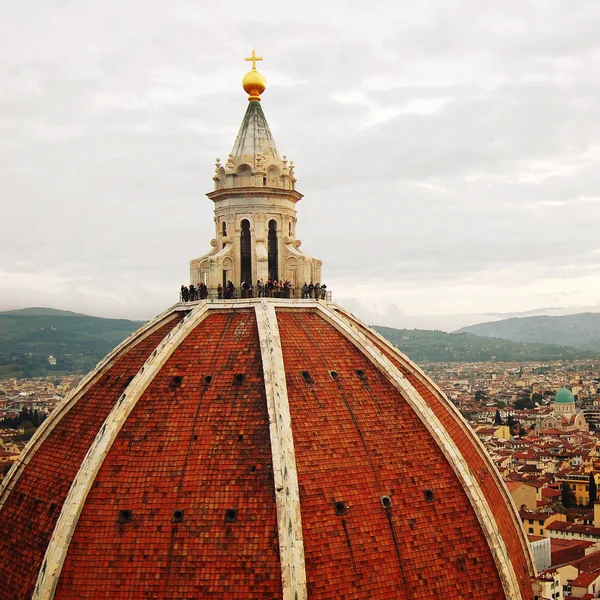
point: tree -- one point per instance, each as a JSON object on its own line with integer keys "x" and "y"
{"x": 593, "y": 487}
{"x": 568, "y": 498}
{"x": 524, "y": 404}
{"x": 26, "y": 419}
{"x": 497, "y": 418}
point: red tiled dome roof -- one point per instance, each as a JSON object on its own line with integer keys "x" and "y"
{"x": 258, "y": 449}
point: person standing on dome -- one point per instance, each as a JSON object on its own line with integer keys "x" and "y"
{"x": 220, "y": 291}
{"x": 245, "y": 287}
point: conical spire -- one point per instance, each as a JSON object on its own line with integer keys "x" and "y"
{"x": 254, "y": 143}
{"x": 254, "y": 160}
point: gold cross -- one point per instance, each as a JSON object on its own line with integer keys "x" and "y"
{"x": 253, "y": 58}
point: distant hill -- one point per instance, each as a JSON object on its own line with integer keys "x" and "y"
{"x": 40, "y": 311}
{"x": 76, "y": 342}
{"x": 579, "y": 331}
{"x": 437, "y": 346}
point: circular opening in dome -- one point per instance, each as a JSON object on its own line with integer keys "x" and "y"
{"x": 207, "y": 379}
{"x": 253, "y": 469}
{"x": 52, "y": 507}
{"x": 386, "y": 502}
{"x": 334, "y": 375}
{"x": 340, "y": 508}
{"x": 231, "y": 515}
{"x": 176, "y": 381}
{"x": 361, "y": 374}
{"x": 429, "y": 496}
{"x": 238, "y": 378}
{"x": 125, "y": 516}
{"x": 306, "y": 377}
{"x": 177, "y": 516}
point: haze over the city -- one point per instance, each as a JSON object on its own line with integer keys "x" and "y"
{"x": 447, "y": 151}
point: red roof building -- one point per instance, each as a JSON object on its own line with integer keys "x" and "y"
{"x": 251, "y": 448}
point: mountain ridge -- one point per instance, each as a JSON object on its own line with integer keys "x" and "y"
{"x": 423, "y": 345}
{"x": 581, "y": 330}
{"x": 41, "y": 341}
{"x": 42, "y": 311}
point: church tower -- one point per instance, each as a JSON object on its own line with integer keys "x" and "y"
{"x": 255, "y": 209}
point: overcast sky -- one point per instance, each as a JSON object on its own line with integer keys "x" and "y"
{"x": 448, "y": 150}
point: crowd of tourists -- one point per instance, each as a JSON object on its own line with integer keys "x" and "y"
{"x": 271, "y": 289}
{"x": 192, "y": 293}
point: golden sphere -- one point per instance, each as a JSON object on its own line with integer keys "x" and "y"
{"x": 254, "y": 84}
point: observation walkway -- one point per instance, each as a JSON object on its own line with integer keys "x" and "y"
{"x": 282, "y": 294}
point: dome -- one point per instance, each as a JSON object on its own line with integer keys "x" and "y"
{"x": 258, "y": 448}
{"x": 564, "y": 396}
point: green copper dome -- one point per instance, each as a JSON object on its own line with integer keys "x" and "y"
{"x": 564, "y": 396}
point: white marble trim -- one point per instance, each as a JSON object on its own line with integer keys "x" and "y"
{"x": 72, "y": 398}
{"x": 287, "y": 493}
{"x": 446, "y": 445}
{"x": 58, "y": 546}
{"x": 420, "y": 374}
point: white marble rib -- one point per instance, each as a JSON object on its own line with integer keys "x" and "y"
{"x": 478, "y": 444}
{"x": 446, "y": 444}
{"x": 287, "y": 493}
{"x": 69, "y": 401}
{"x": 58, "y": 546}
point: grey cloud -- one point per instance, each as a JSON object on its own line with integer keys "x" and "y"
{"x": 111, "y": 118}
